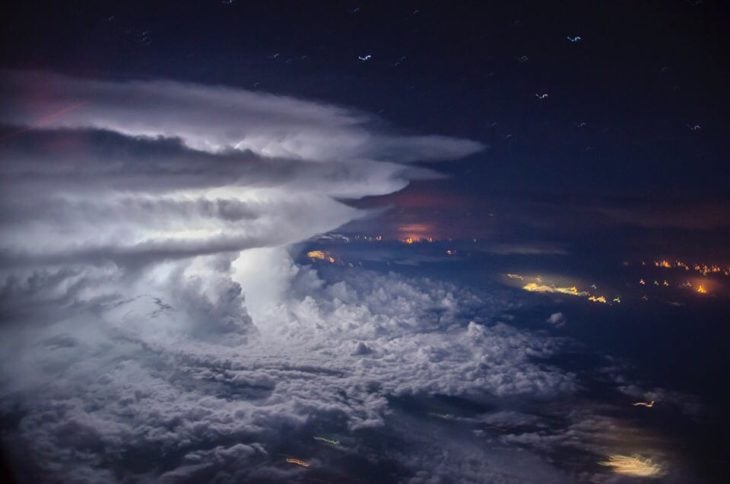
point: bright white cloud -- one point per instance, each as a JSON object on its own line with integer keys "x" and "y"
{"x": 179, "y": 170}
{"x": 163, "y": 386}
{"x": 216, "y": 119}
{"x": 155, "y": 328}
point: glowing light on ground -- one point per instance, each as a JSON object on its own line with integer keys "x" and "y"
{"x": 317, "y": 254}
{"x": 632, "y": 466}
{"x": 536, "y": 287}
{"x": 702, "y": 268}
{"x": 562, "y": 284}
{"x": 412, "y": 233}
{"x": 320, "y": 255}
{"x": 297, "y": 462}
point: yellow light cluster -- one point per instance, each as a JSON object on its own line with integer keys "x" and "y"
{"x": 544, "y": 288}
{"x": 320, "y": 255}
{"x": 535, "y": 287}
{"x": 703, "y": 269}
{"x": 628, "y": 465}
{"x": 700, "y": 288}
{"x": 417, "y": 232}
{"x": 412, "y": 239}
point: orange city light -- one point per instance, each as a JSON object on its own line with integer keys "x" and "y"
{"x": 320, "y": 255}
{"x": 298, "y": 462}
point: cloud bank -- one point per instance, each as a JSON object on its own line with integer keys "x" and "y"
{"x": 155, "y": 329}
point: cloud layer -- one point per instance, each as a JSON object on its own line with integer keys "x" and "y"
{"x": 136, "y": 218}
{"x": 139, "y": 377}
{"x": 115, "y": 170}
{"x": 155, "y": 329}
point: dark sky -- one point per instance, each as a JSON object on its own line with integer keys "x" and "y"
{"x": 629, "y": 148}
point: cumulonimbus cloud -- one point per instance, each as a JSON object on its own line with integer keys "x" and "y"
{"x": 143, "y": 236}
{"x": 134, "y": 169}
{"x": 215, "y": 119}
{"x": 154, "y": 327}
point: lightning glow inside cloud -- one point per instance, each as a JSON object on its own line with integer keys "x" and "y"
{"x": 151, "y": 306}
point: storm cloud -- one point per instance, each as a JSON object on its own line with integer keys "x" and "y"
{"x": 155, "y": 327}
{"x": 120, "y": 170}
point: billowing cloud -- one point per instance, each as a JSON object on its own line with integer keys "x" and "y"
{"x": 173, "y": 378}
{"x": 127, "y": 171}
{"x": 155, "y": 329}
{"x": 557, "y": 319}
{"x": 215, "y": 119}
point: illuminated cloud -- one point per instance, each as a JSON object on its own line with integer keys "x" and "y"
{"x": 153, "y": 308}
{"x": 160, "y": 389}
{"x": 215, "y": 119}
{"x": 143, "y": 170}
{"x": 144, "y": 236}
{"x": 557, "y": 320}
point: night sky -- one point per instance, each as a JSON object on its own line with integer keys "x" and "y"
{"x": 401, "y": 213}
{"x": 611, "y": 153}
